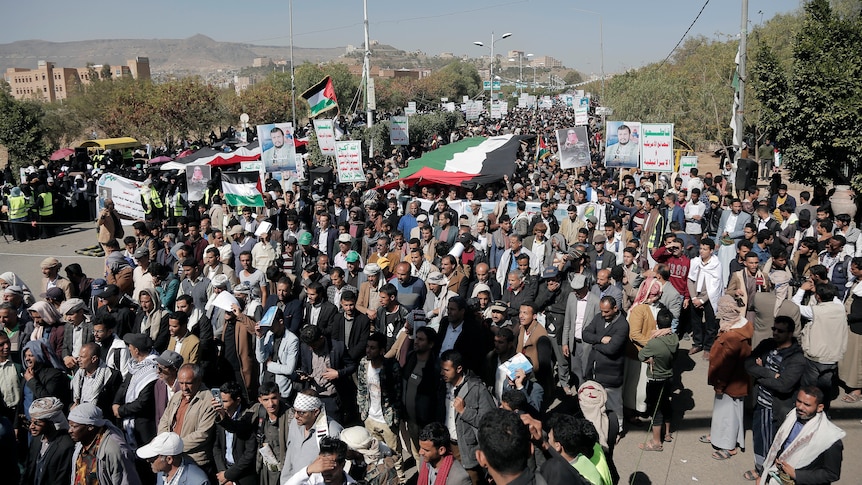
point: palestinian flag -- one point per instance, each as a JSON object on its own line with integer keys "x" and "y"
{"x": 320, "y": 97}
{"x": 467, "y": 163}
{"x": 542, "y": 151}
{"x": 242, "y": 188}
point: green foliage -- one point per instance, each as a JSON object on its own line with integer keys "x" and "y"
{"x": 573, "y": 77}
{"x": 817, "y": 120}
{"x": 770, "y": 88}
{"x": 21, "y": 129}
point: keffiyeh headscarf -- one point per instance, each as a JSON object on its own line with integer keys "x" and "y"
{"x": 87, "y": 414}
{"x": 13, "y": 279}
{"x": 50, "y": 317}
{"x": 648, "y": 292}
{"x": 360, "y": 440}
{"x": 592, "y": 397}
{"x": 729, "y": 314}
{"x": 49, "y": 409}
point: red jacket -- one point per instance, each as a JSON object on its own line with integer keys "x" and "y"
{"x": 678, "y": 266}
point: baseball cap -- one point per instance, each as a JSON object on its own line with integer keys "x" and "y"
{"x": 713, "y": 198}
{"x": 499, "y": 306}
{"x": 371, "y": 269}
{"x": 109, "y": 291}
{"x": 352, "y": 256}
{"x": 141, "y": 253}
{"x": 344, "y": 238}
{"x": 235, "y": 230}
{"x": 305, "y": 238}
{"x": 592, "y": 219}
{"x": 421, "y": 218}
{"x": 550, "y": 272}
{"x": 165, "y": 444}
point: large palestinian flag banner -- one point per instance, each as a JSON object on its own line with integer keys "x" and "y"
{"x": 468, "y": 163}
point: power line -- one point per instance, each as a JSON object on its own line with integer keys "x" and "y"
{"x": 684, "y": 35}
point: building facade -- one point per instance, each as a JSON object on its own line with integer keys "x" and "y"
{"x": 51, "y": 83}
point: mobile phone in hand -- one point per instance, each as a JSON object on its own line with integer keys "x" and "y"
{"x": 216, "y": 392}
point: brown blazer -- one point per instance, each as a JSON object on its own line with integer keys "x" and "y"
{"x": 62, "y": 283}
{"x": 529, "y": 348}
{"x": 198, "y": 430}
{"x": 106, "y": 226}
{"x": 190, "y": 349}
{"x": 737, "y": 282}
{"x": 245, "y": 340}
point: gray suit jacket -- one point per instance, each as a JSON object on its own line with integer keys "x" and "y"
{"x": 572, "y": 314}
{"x": 69, "y": 332}
{"x": 671, "y": 299}
{"x": 612, "y": 290}
{"x": 735, "y": 232}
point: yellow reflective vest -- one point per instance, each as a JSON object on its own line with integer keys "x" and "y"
{"x": 18, "y": 207}
{"x": 47, "y": 208}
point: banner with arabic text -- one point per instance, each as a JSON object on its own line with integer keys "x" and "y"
{"x": 348, "y": 158}
{"x": 657, "y": 147}
{"x": 325, "y": 135}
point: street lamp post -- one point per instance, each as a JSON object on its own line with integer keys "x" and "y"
{"x": 491, "y": 68}
{"x": 520, "y": 70}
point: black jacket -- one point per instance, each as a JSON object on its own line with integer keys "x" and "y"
{"x": 355, "y": 342}
{"x": 162, "y": 339}
{"x": 825, "y": 469}
{"x": 473, "y": 343}
{"x": 143, "y": 409}
{"x": 339, "y": 360}
{"x": 291, "y": 313}
{"x": 607, "y": 361}
{"x": 244, "y": 449}
{"x": 424, "y": 409}
{"x": 328, "y": 314}
{"x": 790, "y": 372}
{"x": 58, "y": 460}
{"x": 48, "y": 382}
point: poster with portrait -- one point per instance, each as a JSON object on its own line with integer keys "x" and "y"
{"x": 657, "y": 147}
{"x": 582, "y": 112}
{"x": 574, "y": 147}
{"x": 623, "y": 144}
{"x": 126, "y": 194}
{"x": 278, "y": 151}
{"x": 325, "y": 133}
{"x": 197, "y": 178}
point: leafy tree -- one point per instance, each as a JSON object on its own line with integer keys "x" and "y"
{"x": 21, "y": 129}
{"x": 105, "y": 73}
{"x": 817, "y": 122}
{"x": 573, "y": 77}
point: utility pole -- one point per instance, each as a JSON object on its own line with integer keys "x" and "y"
{"x": 292, "y": 79}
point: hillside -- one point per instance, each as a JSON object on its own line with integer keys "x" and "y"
{"x": 197, "y": 53}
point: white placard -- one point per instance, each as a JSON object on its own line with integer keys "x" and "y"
{"x": 325, "y": 136}
{"x": 125, "y": 193}
{"x": 348, "y": 158}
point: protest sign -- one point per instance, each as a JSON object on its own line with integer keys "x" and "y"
{"x": 325, "y": 136}
{"x": 574, "y": 147}
{"x": 623, "y": 144}
{"x": 197, "y": 178}
{"x": 277, "y": 149}
{"x": 399, "y": 130}
{"x": 348, "y": 157}
{"x": 657, "y": 147}
{"x": 125, "y": 193}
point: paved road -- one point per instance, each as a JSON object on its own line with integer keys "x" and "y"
{"x": 684, "y": 461}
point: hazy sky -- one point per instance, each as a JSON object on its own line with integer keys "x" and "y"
{"x": 636, "y": 32}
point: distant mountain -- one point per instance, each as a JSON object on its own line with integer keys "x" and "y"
{"x": 197, "y": 53}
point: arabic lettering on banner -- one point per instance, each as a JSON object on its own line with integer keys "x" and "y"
{"x": 582, "y": 112}
{"x": 574, "y": 147}
{"x": 532, "y": 208}
{"x": 325, "y": 136}
{"x": 348, "y": 157}
{"x": 657, "y": 147}
{"x": 399, "y": 133}
{"x": 504, "y": 107}
{"x": 474, "y": 109}
{"x": 495, "y": 110}
{"x": 686, "y": 163}
{"x": 197, "y": 178}
{"x": 125, "y": 193}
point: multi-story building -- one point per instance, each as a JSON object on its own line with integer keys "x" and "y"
{"x": 546, "y": 61}
{"x": 51, "y": 83}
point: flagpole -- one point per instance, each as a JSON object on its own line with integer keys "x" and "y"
{"x": 366, "y": 71}
{"x": 743, "y": 42}
{"x": 292, "y": 78}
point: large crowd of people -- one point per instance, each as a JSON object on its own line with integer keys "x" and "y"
{"x": 428, "y": 334}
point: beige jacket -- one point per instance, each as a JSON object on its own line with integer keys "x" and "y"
{"x": 198, "y": 430}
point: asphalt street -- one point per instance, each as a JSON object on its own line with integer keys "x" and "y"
{"x": 685, "y": 460}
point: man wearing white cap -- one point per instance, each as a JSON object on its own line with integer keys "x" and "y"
{"x": 437, "y": 299}
{"x": 53, "y": 279}
{"x": 165, "y": 456}
{"x": 306, "y": 431}
{"x": 101, "y": 449}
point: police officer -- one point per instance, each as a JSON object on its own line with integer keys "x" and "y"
{"x": 19, "y": 208}
{"x": 45, "y": 210}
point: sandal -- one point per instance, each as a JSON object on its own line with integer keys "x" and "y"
{"x": 722, "y": 455}
{"x": 668, "y": 438}
{"x": 705, "y": 439}
{"x": 650, "y": 446}
{"x": 751, "y": 475}
{"x": 851, "y": 398}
